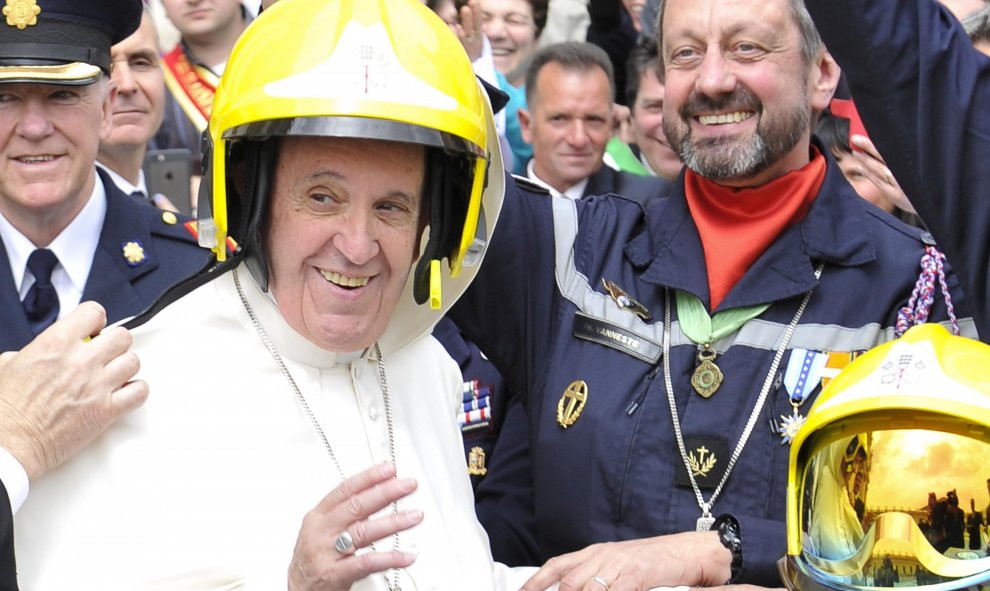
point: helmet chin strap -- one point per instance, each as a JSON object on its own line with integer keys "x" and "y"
{"x": 446, "y": 177}
{"x": 204, "y": 207}
{"x": 260, "y": 163}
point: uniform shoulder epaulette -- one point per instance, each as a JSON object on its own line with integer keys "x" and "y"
{"x": 524, "y": 183}
{"x": 166, "y": 223}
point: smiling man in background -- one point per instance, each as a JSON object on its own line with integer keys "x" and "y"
{"x": 68, "y": 234}
{"x": 570, "y": 93}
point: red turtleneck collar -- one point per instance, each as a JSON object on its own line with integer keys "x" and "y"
{"x": 738, "y": 225}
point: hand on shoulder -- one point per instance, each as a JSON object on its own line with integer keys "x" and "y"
{"x": 66, "y": 387}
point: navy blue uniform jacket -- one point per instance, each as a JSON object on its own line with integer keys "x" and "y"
{"x": 539, "y": 311}
{"x": 637, "y": 188}
{"x": 171, "y": 255}
{"x": 8, "y": 571}
{"x": 924, "y": 95}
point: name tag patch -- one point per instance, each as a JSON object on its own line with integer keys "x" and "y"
{"x": 605, "y": 333}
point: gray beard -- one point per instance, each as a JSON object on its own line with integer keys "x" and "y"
{"x": 722, "y": 159}
{"x": 726, "y": 159}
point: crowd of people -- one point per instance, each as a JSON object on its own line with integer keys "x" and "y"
{"x": 488, "y": 294}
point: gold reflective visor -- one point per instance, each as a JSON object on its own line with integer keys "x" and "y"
{"x": 76, "y": 74}
{"x": 904, "y": 507}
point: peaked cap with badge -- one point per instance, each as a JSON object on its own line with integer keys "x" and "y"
{"x": 62, "y": 41}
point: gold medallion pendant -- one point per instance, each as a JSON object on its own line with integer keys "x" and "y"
{"x": 707, "y": 376}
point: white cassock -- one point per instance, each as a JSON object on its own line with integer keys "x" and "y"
{"x": 206, "y": 486}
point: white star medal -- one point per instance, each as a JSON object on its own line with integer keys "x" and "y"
{"x": 802, "y": 376}
{"x": 790, "y": 425}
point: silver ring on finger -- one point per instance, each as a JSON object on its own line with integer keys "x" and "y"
{"x": 600, "y": 581}
{"x": 344, "y": 543}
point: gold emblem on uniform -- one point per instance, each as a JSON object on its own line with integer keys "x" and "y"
{"x": 21, "y": 13}
{"x": 133, "y": 253}
{"x": 169, "y": 218}
{"x": 572, "y": 403}
{"x": 625, "y": 301}
{"x": 700, "y": 465}
{"x": 476, "y": 462}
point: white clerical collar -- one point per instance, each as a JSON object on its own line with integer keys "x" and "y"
{"x": 287, "y": 341}
{"x": 574, "y": 192}
{"x": 125, "y": 185}
{"x": 74, "y": 246}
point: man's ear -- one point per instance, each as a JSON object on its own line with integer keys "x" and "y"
{"x": 525, "y": 120}
{"x": 106, "y": 124}
{"x": 824, "y": 80}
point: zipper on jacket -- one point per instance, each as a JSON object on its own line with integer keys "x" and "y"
{"x": 634, "y": 405}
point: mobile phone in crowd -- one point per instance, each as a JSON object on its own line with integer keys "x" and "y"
{"x": 168, "y": 172}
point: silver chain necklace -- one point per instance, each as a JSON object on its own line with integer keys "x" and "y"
{"x": 393, "y": 584}
{"x": 706, "y": 520}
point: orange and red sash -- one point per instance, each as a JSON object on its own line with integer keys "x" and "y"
{"x": 193, "y": 86}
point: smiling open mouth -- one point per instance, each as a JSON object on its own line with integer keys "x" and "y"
{"x": 36, "y": 159}
{"x": 724, "y": 118}
{"x": 343, "y": 280}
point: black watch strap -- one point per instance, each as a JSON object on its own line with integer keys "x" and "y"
{"x": 729, "y": 535}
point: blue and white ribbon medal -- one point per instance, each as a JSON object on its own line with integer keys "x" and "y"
{"x": 802, "y": 376}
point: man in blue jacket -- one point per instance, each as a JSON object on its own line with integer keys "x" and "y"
{"x": 924, "y": 95}
{"x": 68, "y": 234}
{"x": 665, "y": 359}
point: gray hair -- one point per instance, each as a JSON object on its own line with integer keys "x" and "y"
{"x": 571, "y": 55}
{"x": 977, "y": 25}
{"x": 811, "y": 41}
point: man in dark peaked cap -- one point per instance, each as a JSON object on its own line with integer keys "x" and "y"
{"x": 67, "y": 234}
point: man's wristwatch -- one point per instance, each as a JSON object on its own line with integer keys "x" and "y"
{"x": 730, "y": 537}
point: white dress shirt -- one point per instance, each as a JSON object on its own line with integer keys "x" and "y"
{"x": 14, "y": 478}
{"x": 74, "y": 247}
{"x": 124, "y": 184}
{"x": 574, "y": 192}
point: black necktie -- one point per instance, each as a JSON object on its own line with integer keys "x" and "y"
{"x": 41, "y": 303}
{"x": 139, "y": 196}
